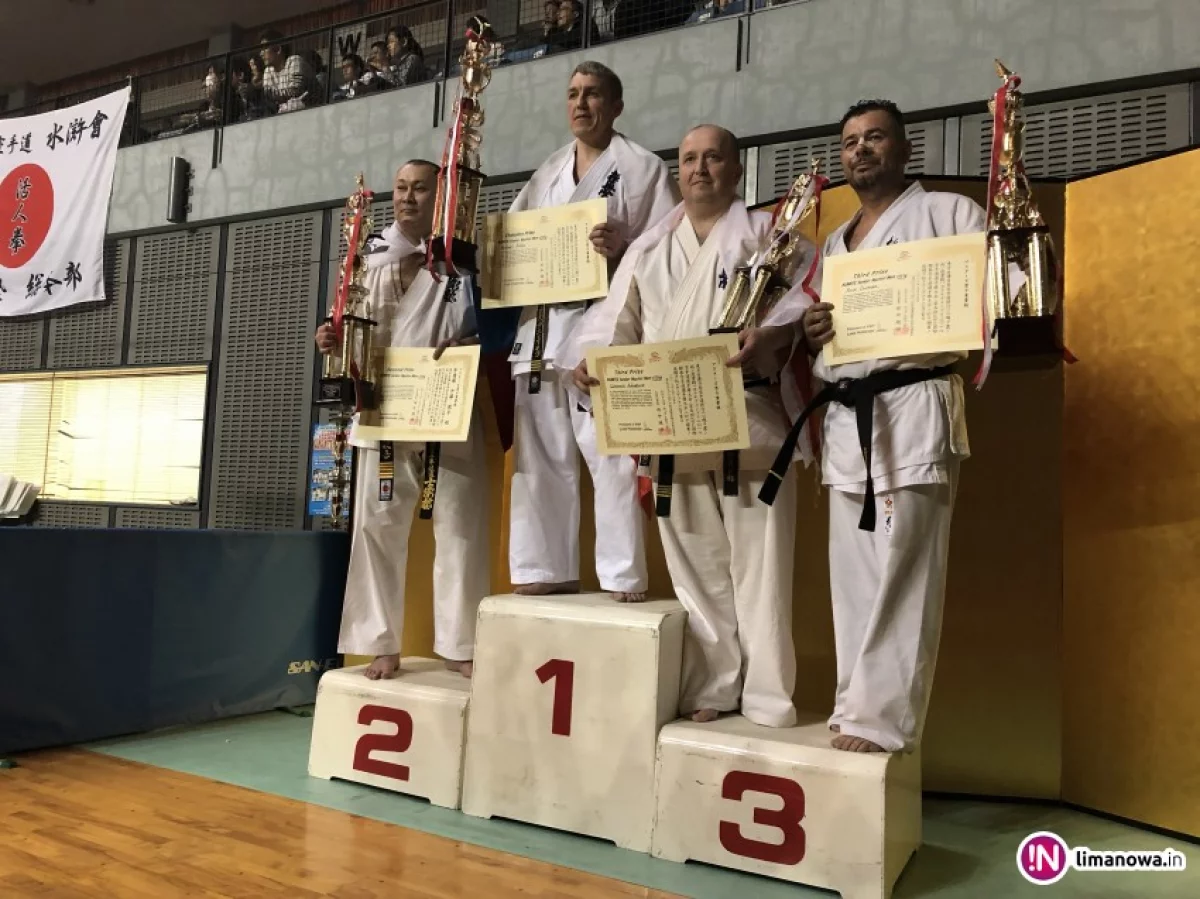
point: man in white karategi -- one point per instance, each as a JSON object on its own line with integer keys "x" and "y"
{"x": 730, "y": 557}
{"x": 889, "y": 528}
{"x": 551, "y": 431}
{"x": 414, "y": 309}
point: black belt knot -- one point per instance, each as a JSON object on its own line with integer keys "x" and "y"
{"x": 857, "y": 394}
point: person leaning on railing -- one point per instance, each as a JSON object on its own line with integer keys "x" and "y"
{"x": 287, "y": 78}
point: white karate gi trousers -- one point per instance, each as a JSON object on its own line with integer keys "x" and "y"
{"x": 551, "y": 432}
{"x": 731, "y": 561}
{"x": 888, "y": 590}
{"x": 373, "y": 610}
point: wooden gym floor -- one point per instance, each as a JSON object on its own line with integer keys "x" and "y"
{"x": 228, "y": 810}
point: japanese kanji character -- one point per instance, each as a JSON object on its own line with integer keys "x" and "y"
{"x": 34, "y": 285}
{"x": 73, "y": 274}
{"x": 75, "y": 131}
{"x": 12, "y": 144}
{"x": 2, "y": 289}
{"x": 24, "y": 186}
{"x": 51, "y": 282}
{"x": 26, "y": 143}
{"x": 54, "y": 138}
{"x": 99, "y": 120}
{"x": 17, "y": 241}
{"x": 19, "y": 215}
{"x": 2, "y": 143}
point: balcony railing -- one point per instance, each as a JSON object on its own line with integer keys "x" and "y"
{"x": 417, "y": 44}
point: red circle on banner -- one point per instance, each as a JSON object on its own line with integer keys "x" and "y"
{"x": 26, "y": 211}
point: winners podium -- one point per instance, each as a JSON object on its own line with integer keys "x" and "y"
{"x": 570, "y": 722}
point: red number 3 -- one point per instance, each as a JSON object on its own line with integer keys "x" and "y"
{"x": 397, "y": 742}
{"x": 786, "y": 820}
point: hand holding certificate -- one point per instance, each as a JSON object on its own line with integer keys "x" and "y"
{"x": 907, "y": 299}
{"x": 423, "y": 399}
{"x": 543, "y": 256}
{"x": 669, "y": 398}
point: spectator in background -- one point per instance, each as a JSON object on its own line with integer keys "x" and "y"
{"x": 549, "y": 19}
{"x": 380, "y": 63}
{"x": 569, "y": 34}
{"x": 288, "y": 81}
{"x": 246, "y": 96}
{"x": 214, "y": 89}
{"x": 320, "y": 76}
{"x": 604, "y": 14}
{"x": 357, "y": 79}
{"x": 406, "y": 56}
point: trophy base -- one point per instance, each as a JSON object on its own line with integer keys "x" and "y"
{"x": 1027, "y": 337}
{"x": 345, "y": 393}
{"x": 463, "y": 255}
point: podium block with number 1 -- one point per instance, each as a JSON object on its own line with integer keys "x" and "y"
{"x": 567, "y": 700}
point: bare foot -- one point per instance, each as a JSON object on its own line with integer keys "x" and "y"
{"x": 546, "y": 589}
{"x": 383, "y": 667}
{"x": 627, "y": 596}
{"x": 855, "y": 744}
{"x": 463, "y": 668}
{"x": 703, "y": 716}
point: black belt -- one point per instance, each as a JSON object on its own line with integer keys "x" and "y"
{"x": 858, "y": 393}
{"x": 429, "y": 475}
{"x": 729, "y": 467}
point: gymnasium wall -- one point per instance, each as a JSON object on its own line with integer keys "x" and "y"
{"x": 778, "y": 71}
{"x": 1131, "y": 492}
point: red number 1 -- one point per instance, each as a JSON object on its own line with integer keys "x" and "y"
{"x": 563, "y": 675}
{"x": 786, "y": 820}
{"x": 397, "y": 742}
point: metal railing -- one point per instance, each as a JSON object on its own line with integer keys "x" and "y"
{"x": 413, "y": 45}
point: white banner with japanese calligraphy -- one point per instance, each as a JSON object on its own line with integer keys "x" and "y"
{"x": 56, "y": 175}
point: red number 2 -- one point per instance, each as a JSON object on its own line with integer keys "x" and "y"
{"x": 786, "y": 820}
{"x": 397, "y": 742}
{"x": 563, "y": 675}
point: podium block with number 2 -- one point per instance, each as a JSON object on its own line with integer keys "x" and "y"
{"x": 783, "y": 803}
{"x": 403, "y": 734}
{"x": 567, "y": 700}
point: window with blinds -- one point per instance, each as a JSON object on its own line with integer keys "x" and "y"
{"x": 113, "y": 436}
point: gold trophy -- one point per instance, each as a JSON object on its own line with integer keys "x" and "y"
{"x": 1018, "y": 234}
{"x": 460, "y": 180}
{"x": 770, "y": 273}
{"x": 757, "y": 285}
{"x": 347, "y": 382}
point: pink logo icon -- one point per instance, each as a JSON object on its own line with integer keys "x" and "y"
{"x": 1043, "y": 858}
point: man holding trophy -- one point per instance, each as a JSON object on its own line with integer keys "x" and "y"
{"x": 730, "y": 557}
{"x": 551, "y": 430}
{"x": 414, "y": 308}
{"x": 894, "y": 438}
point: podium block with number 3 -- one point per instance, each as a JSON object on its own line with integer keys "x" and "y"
{"x": 783, "y": 803}
{"x": 403, "y": 734}
{"x": 567, "y": 700}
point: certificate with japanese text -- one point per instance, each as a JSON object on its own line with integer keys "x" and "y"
{"x": 423, "y": 399}
{"x": 669, "y": 398}
{"x": 543, "y": 256}
{"x": 907, "y": 299}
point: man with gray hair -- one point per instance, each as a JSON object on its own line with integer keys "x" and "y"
{"x": 551, "y": 430}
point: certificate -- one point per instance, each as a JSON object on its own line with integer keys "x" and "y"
{"x": 907, "y": 299}
{"x": 669, "y": 398}
{"x": 543, "y": 256}
{"x": 423, "y": 400}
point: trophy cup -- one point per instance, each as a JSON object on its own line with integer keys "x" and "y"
{"x": 460, "y": 180}
{"x": 757, "y": 285}
{"x": 347, "y": 382}
{"x": 1017, "y": 233}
